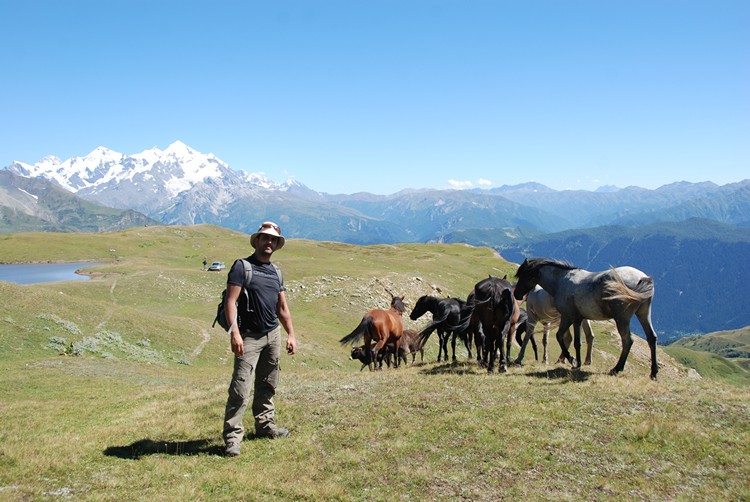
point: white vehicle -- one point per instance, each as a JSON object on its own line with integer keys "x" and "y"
{"x": 217, "y": 266}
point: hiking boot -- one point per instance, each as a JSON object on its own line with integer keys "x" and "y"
{"x": 232, "y": 450}
{"x": 273, "y": 433}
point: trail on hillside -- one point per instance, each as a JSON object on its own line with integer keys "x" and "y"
{"x": 110, "y": 311}
{"x": 197, "y": 351}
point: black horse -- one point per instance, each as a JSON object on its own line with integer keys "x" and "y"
{"x": 497, "y": 312}
{"x": 446, "y": 318}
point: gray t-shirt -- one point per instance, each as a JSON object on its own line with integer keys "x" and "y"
{"x": 263, "y": 292}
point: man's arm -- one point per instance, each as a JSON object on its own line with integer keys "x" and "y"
{"x": 285, "y": 317}
{"x": 230, "y": 309}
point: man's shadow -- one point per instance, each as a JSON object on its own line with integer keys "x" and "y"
{"x": 144, "y": 447}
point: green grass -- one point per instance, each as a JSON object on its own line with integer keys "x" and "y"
{"x": 138, "y": 415}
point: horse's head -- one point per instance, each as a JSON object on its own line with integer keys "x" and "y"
{"x": 527, "y": 279}
{"x": 358, "y": 354}
{"x": 397, "y": 303}
{"x": 419, "y": 308}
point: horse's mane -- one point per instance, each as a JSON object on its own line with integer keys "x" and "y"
{"x": 531, "y": 266}
{"x": 491, "y": 290}
{"x": 397, "y": 304}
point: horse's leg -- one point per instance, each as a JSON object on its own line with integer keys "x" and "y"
{"x": 586, "y": 325}
{"x": 479, "y": 344}
{"x": 453, "y": 344}
{"x": 577, "y": 342}
{"x": 509, "y": 334}
{"x": 567, "y": 339}
{"x": 467, "y": 342}
{"x": 564, "y": 325}
{"x": 502, "y": 362}
{"x": 443, "y": 345}
{"x": 368, "y": 350}
{"x": 397, "y": 343}
{"x": 545, "y": 326}
{"x": 380, "y": 345}
{"x": 623, "y": 327}
{"x": 523, "y": 342}
{"x": 644, "y": 317}
{"x": 489, "y": 349}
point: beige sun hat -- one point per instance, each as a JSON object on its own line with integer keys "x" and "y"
{"x": 269, "y": 228}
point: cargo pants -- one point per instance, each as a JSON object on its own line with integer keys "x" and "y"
{"x": 261, "y": 361}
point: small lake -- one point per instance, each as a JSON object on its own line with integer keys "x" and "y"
{"x": 34, "y": 273}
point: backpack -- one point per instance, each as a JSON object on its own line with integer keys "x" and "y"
{"x": 243, "y": 302}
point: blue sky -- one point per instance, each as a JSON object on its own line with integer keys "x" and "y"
{"x": 383, "y": 95}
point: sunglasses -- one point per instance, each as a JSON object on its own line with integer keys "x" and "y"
{"x": 269, "y": 224}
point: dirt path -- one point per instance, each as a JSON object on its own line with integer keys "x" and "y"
{"x": 206, "y": 338}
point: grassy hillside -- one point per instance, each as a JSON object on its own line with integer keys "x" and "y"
{"x": 731, "y": 344}
{"x": 137, "y": 413}
{"x": 723, "y": 355}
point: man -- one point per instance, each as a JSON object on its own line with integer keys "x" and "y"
{"x": 256, "y": 342}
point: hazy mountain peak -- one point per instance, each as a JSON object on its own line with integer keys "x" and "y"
{"x": 607, "y": 189}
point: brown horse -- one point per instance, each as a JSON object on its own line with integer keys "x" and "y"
{"x": 381, "y": 327}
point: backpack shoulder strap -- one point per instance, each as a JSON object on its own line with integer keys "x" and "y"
{"x": 278, "y": 273}
{"x": 248, "y": 267}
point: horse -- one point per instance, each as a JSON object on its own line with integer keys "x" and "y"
{"x": 381, "y": 326}
{"x": 411, "y": 343}
{"x": 540, "y": 308}
{"x": 617, "y": 293}
{"x": 446, "y": 317}
{"x": 472, "y": 327}
{"x": 385, "y": 355}
{"x": 497, "y": 312}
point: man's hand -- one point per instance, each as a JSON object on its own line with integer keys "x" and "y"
{"x": 238, "y": 346}
{"x": 291, "y": 345}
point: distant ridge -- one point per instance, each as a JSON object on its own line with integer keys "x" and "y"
{"x": 33, "y": 205}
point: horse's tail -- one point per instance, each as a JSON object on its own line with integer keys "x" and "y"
{"x": 358, "y": 332}
{"x": 616, "y": 289}
{"x": 424, "y": 335}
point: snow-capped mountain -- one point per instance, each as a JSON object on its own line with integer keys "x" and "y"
{"x": 154, "y": 181}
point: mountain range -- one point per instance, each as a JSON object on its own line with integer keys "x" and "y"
{"x": 692, "y": 236}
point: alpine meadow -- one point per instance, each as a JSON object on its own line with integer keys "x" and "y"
{"x": 114, "y": 388}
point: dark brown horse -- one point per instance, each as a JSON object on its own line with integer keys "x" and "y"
{"x": 381, "y": 327}
{"x": 411, "y": 343}
{"x": 496, "y": 311}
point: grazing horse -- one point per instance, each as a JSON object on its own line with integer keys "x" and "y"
{"x": 385, "y": 355}
{"x": 540, "y": 308}
{"x": 380, "y": 326}
{"x": 617, "y": 293}
{"x": 411, "y": 343}
{"x": 446, "y": 317}
{"x": 497, "y": 312}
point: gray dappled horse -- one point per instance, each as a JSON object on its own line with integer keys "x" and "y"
{"x": 540, "y": 308}
{"x": 617, "y": 293}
